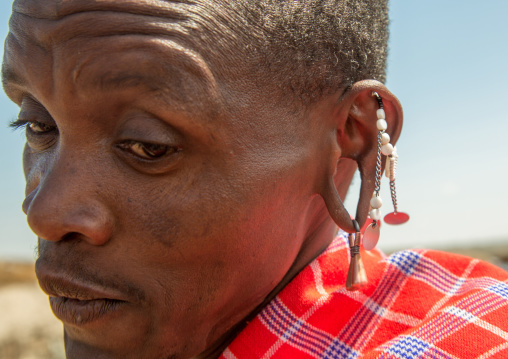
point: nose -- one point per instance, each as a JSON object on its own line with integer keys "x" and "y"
{"x": 64, "y": 202}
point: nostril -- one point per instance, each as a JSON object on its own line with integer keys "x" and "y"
{"x": 73, "y": 236}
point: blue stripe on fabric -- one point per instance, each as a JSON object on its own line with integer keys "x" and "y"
{"x": 339, "y": 350}
{"x": 291, "y": 337}
{"x": 406, "y": 261}
{"x": 408, "y": 347}
{"x": 500, "y": 289}
{"x": 461, "y": 313}
{"x": 310, "y": 331}
{"x": 294, "y": 330}
{"x": 439, "y": 276}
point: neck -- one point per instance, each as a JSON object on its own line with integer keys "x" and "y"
{"x": 321, "y": 231}
{"x": 315, "y": 244}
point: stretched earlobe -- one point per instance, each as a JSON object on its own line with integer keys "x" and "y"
{"x": 335, "y": 206}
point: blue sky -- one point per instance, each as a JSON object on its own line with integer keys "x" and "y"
{"x": 447, "y": 65}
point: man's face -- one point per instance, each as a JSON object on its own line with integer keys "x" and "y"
{"x": 168, "y": 197}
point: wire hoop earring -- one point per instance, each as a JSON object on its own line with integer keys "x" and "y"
{"x": 384, "y": 147}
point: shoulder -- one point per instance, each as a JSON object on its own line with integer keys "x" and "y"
{"x": 441, "y": 274}
{"x": 451, "y": 306}
{"x": 417, "y": 304}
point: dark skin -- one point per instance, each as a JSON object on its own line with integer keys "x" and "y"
{"x": 159, "y": 177}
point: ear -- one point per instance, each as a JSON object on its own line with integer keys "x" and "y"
{"x": 354, "y": 123}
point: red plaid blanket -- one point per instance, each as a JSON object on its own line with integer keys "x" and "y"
{"x": 417, "y": 304}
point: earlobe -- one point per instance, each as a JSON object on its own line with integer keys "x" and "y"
{"x": 335, "y": 206}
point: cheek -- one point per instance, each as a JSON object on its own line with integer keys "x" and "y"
{"x": 211, "y": 219}
{"x": 193, "y": 242}
{"x": 204, "y": 243}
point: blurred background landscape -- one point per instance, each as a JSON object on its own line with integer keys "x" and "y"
{"x": 447, "y": 65}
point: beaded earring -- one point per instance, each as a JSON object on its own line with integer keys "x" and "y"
{"x": 384, "y": 147}
{"x": 357, "y": 276}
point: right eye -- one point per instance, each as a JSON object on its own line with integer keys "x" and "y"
{"x": 39, "y": 135}
{"x": 39, "y": 127}
{"x": 35, "y": 127}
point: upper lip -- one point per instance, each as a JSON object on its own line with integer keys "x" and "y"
{"x": 64, "y": 286}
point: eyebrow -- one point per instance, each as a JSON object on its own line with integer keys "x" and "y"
{"x": 170, "y": 90}
{"x": 123, "y": 80}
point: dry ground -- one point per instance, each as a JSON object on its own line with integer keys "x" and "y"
{"x": 28, "y": 329}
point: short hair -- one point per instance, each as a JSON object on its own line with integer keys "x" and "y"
{"x": 314, "y": 47}
{"x": 304, "y": 47}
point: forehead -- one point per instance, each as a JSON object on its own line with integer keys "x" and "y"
{"x": 55, "y": 21}
{"x": 190, "y": 50}
{"x": 109, "y": 42}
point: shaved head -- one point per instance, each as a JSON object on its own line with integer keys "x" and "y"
{"x": 308, "y": 48}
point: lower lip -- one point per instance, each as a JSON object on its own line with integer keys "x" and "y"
{"x": 81, "y": 312}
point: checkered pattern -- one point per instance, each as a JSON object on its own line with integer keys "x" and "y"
{"x": 418, "y": 304}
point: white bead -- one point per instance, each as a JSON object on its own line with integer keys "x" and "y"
{"x": 388, "y": 165}
{"x": 381, "y": 114}
{"x": 387, "y": 149}
{"x": 376, "y": 202}
{"x": 381, "y": 125}
{"x": 385, "y": 138}
{"x": 375, "y": 214}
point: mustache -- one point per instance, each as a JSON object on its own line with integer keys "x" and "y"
{"x": 72, "y": 265}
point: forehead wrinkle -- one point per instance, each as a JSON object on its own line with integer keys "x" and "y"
{"x": 191, "y": 22}
{"x": 10, "y": 77}
{"x": 16, "y": 71}
{"x": 162, "y": 66}
{"x": 57, "y": 9}
{"x": 52, "y": 33}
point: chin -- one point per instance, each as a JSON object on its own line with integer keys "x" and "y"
{"x": 148, "y": 343}
{"x": 75, "y": 349}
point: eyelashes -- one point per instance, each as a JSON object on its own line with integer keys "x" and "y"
{"x": 34, "y": 126}
{"x": 17, "y": 124}
{"x": 39, "y": 136}
{"x": 147, "y": 151}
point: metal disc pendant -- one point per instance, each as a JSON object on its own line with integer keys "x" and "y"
{"x": 371, "y": 237}
{"x": 396, "y": 218}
